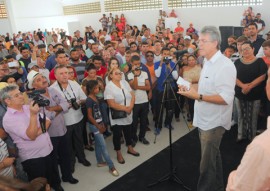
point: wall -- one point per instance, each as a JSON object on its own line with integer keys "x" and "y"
{"x": 29, "y": 16}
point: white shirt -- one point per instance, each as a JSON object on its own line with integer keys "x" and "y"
{"x": 218, "y": 76}
{"x": 72, "y": 116}
{"x": 114, "y": 92}
{"x": 140, "y": 95}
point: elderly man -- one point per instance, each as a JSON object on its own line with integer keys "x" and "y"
{"x": 72, "y": 92}
{"x": 57, "y": 131}
{"x": 33, "y": 142}
{"x": 213, "y": 107}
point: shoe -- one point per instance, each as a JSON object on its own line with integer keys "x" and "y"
{"x": 144, "y": 141}
{"x": 102, "y": 164}
{"x": 134, "y": 154}
{"x": 114, "y": 172}
{"x": 157, "y": 131}
{"x": 85, "y": 162}
{"x": 58, "y": 188}
{"x": 89, "y": 148}
{"x": 177, "y": 119}
{"x": 121, "y": 161}
{"x": 71, "y": 180}
{"x": 169, "y": 127}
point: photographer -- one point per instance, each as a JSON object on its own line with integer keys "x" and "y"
{"x": 162, "y": 70}
{"x": 55, "y": 106}
{"x": 34, "y": 146}
{"x": 73, "y": 93}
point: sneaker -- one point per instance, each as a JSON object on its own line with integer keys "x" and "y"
{"x": 114, "y": 172}
{"x": 144, "y": 141}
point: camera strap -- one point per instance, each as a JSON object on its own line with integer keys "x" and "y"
{"x": 67, "y": 91}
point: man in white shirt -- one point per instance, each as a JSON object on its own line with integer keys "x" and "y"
{"x": 73, "y": 93}
{"x": 213, "y": 107}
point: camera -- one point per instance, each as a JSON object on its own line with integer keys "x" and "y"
{"x": 167, "y": 60}
{"x": 74, "y": 103}
{"x": 138, "y": 68}
{"x": 38, "y": 99}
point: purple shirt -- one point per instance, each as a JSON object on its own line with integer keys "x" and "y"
{"x": 15, "y": 124}
{"x": 58, "y": 126}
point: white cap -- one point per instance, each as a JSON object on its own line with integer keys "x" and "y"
{"x": 30, "y": 77}
{"x": 187, "y": 37}
{"x": 91, "y": 41}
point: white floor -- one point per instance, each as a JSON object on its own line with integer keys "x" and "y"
{"x": 95, "y": 178}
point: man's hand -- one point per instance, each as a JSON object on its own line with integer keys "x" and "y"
{"x": 101, "y": 128}
{"x": 34, "y": 109}
{"x": 191, "y": 93}
{"x": 8, "y": 161}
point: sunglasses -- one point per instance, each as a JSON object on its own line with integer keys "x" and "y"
{"x": 150, "y": 55}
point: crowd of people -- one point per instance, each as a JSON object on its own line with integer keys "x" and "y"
{"x": 110, "y": 80}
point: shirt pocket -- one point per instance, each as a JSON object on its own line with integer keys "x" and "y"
{"x": 208, "y": 85}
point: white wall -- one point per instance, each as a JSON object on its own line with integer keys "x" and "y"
{"x": 29, "y": 17}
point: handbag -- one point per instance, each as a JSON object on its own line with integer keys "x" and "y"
{"x": 118, "y": 114}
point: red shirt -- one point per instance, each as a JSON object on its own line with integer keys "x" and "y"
{"x": 52, "y": 76}
{"x": 101, "y": 72}
{"x": 179, "y": 29}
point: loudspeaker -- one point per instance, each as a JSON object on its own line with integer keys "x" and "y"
{"x": 225, "y": 32}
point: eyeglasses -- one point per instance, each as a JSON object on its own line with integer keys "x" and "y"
{"x": 246, "y": 49}
{"x": 118, "y": 73}
{"x": 150, "y": 55}
{"x": 204, "y": 41}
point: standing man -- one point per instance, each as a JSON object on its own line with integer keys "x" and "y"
{"x": 213, "y": 107}
{"x": 254, "y": 38}
{"x": 260, "y": 23}
{"x": 73, "y": 93}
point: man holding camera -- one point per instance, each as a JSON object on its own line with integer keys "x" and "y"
{"x": 55, "y": 106}
{"x": 73, "y": 93}
{"x": 162, "y": 70}
{"x": 21, "y": 122}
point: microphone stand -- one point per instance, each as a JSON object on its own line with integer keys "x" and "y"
{"x": 171, "y": 176}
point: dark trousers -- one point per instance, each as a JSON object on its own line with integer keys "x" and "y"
{"x": 191, "y": 107}
{"x": 168, "y": 104}
{"x": 140, "y": 111}
{"x": 62, "y": 156}
{"x": 75, "y": 141}
{"x": 117, "y": 132}
{"x": 40, "y": 167}
{"x": 84, "y": 131}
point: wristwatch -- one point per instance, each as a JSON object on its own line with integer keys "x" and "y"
{"x": 200, "y": 98}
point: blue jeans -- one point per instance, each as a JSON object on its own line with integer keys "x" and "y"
{"x": 100, "y": 147}
{"x": 211, "y": 173}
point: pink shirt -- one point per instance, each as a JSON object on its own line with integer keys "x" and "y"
{"x": 254, "y": 171}
{"x": 15, "y": 124}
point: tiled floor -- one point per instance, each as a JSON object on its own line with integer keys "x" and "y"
{"x": 95, "y": 178}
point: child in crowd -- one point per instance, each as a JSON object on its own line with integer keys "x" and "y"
{"x": 97, "y": 127}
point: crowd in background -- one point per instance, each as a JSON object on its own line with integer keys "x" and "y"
{"x": 110, "y": 80}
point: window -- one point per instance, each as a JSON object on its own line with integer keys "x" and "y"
{"x": 129, "y": 5}
{"x": 211, "y": 3}
{"x": 82, "y": 8}
{"x": 3, "y": 11}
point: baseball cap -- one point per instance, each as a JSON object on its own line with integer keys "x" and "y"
{"x": 30, "y": 77}
{"x": 91, "y": 41}
{"x": 13, "y": 64}
{"x": 31, "y": 65}
{"x": 187, "y": 37}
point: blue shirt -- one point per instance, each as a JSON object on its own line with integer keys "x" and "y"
{"x": 163, "y": 75}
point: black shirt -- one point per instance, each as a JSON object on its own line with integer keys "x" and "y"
{"x": 257, "y": 44}
{"x": 246, "y": 73}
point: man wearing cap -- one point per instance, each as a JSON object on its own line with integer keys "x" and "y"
{"x": 33, "y": 142}
{"x": 187, "y": 43}
{"x": 57, "y": 131}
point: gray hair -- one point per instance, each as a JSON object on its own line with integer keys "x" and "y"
{"x": 214, "y": 34}
{"x": 4, "y": 93}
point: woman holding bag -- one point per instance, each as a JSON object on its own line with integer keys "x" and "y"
{"x": 120, "y": 99}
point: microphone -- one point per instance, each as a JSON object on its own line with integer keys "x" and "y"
{"x": 181, "y": 52}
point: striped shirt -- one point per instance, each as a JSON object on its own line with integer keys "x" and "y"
{"x": 8, "y": 171}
